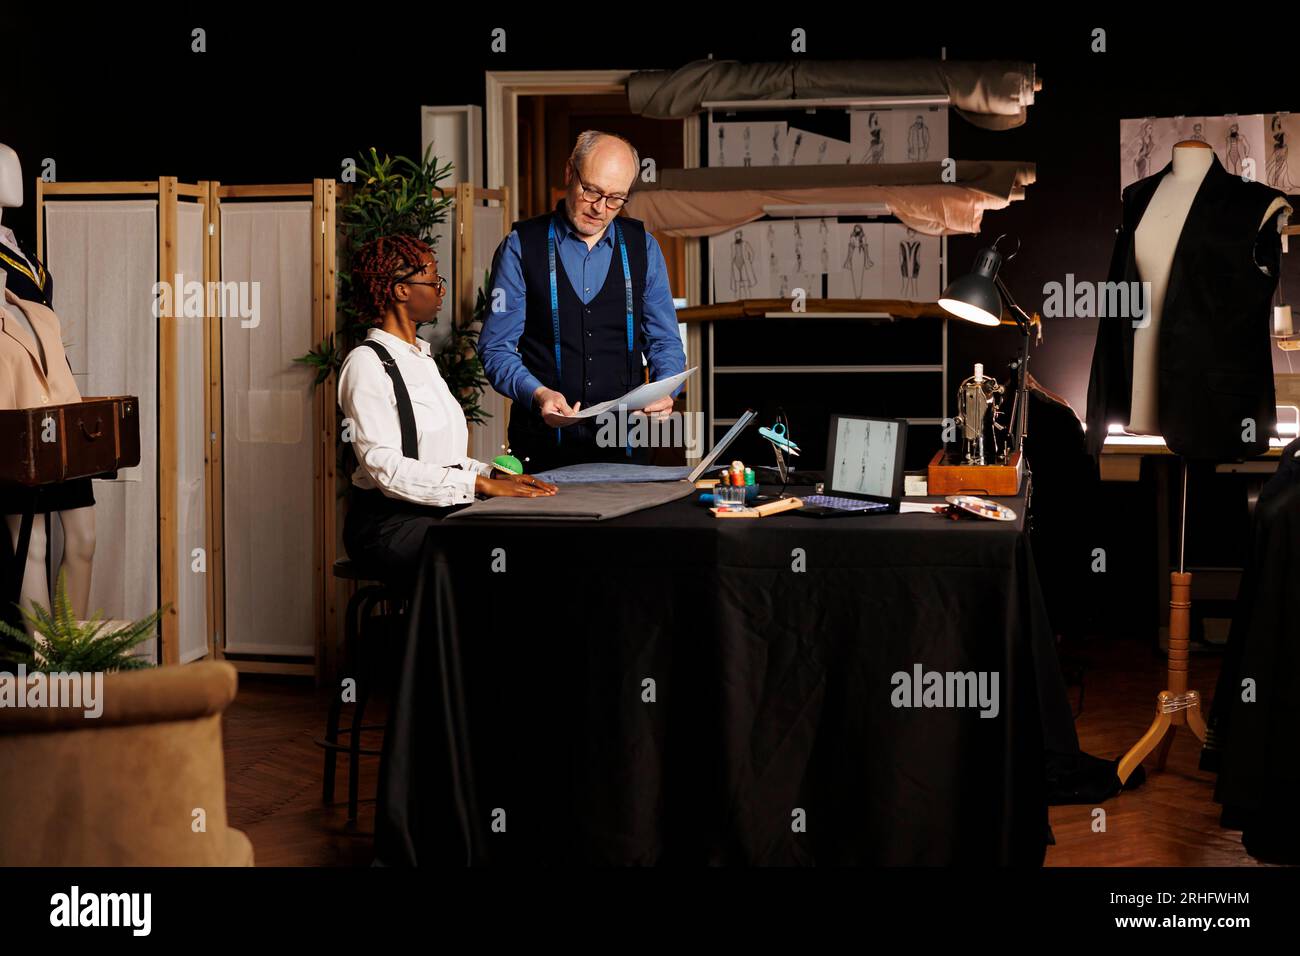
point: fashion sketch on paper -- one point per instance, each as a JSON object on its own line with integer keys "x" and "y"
{"x": 858, "y": 260}
{"x": 1238, "y": 149}
{"x": 1279, "y": 172}
{"x": 909, "y": 263}
{"x": 918, "y": 141}
{"x": 875, "y": 140}
{"x": 1142, "y": 161}
{"x": 742, "y": 266}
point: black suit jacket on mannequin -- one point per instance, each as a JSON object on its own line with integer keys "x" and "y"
{"x": 1215, "y": 364}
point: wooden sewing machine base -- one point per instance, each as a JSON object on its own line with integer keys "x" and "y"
{"x": 1177, "y": 706}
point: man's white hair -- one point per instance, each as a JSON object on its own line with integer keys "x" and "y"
{"x": 588, "y": 140}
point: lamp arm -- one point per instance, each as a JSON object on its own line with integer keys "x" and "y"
{"x": 1022, "y": 318}
{"x": 1020, "y": 407}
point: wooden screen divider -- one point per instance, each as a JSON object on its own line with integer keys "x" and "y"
{"x": 327, "y": 396}
{"x": 321, "y": 192}
{"x": 169, "y": 192}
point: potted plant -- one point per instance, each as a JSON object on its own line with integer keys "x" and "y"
{"x": 60, "y": 643}
{"x": 399, "y": 196}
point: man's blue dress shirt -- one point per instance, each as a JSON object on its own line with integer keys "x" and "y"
{"x": 586, "y": 270}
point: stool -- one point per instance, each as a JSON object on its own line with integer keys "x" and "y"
{"x": 361, "y": 651}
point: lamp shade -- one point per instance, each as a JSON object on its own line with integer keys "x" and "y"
{"x": 975, "y": 297}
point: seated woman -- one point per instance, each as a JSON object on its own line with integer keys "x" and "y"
{"x": 400, "y": 491}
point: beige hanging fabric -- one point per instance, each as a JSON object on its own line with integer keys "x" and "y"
{"x": 266, "y": 247}
{"x": 105, "y": 254}
{"x": 709, "y": 201}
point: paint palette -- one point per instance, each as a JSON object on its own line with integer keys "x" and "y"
{"x": 982, "y": 507}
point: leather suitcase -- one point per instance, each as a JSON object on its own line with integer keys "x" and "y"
{"x": 92, "y": 438}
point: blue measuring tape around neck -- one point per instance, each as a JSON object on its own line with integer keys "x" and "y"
{"x": 555, "y": 297}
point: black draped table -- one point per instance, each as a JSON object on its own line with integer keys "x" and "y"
{"x": 667, "y": 687}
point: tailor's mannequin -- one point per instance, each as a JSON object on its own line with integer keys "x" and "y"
{"x": 78, "y": 523}
{"x": 11, "y": 194}
{"x": 1154, "y": 243}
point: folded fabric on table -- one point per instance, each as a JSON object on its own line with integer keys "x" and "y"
{"x": 582, "y": 501}
{"x": 595, "y": 471}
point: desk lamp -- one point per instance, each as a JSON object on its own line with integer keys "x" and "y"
{"x": 978, "y": 298}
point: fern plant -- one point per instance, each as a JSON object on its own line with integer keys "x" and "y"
{"x": 61, "y": 644}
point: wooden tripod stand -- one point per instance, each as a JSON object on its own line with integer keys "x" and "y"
{"x": 1176, "y": 705}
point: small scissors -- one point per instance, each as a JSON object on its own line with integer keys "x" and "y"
{"x": 777, "y": 436}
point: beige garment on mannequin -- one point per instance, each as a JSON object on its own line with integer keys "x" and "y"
{"x": 24, "y": 384}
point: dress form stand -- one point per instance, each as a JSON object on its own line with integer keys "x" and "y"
{"x": 1155, "y": 245}
{"x": 1158, "y": 234}
{"x": 1176, "y": 706}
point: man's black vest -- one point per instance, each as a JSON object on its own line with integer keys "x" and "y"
{"x": 595, "y": 363}
{"x": 1215, "y": 360}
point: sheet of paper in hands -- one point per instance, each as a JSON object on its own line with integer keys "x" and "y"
{"x": 638, "y": 398}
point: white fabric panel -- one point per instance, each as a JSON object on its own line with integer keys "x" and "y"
{"x": 105, "y": 256}
{"x": 191, "y": 440}
{"x": 269, "y": 469}
{"x": 488, "y": 440}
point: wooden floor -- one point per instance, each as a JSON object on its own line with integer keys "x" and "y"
{"x": 273, "y": 777}
{"x": 1172, "y": 819}
{"x": 273, "y": 774}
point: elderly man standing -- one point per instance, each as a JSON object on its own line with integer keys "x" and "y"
{"x": 576, "y": 297}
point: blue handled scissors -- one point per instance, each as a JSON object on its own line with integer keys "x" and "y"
{"x": 777, "y": 436}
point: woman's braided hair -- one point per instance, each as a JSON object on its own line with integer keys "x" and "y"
{"x": 378, "y": 265}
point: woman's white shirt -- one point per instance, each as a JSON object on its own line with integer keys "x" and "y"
{"x": 443, "y": 475}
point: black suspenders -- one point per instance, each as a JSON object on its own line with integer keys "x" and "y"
{"x": 405, "y": 413}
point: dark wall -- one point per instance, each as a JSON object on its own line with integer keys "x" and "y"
{"x": 284, "y": 101}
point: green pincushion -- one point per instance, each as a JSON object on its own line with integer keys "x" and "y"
{"x": 508, "y": 463}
